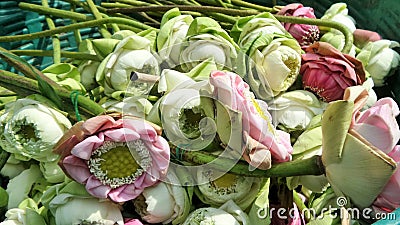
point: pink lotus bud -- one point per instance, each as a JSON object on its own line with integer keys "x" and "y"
{"x": 327, "y": 72}
{"x": 305, "y": 34}
{"x": 363, "y": 37}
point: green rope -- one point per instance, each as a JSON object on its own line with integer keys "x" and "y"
{"x": 74, "y": 99}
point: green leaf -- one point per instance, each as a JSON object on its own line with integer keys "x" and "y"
{"x": 259, "y": 211}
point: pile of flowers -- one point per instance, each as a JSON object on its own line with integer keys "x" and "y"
{"x": 228, "y": 114}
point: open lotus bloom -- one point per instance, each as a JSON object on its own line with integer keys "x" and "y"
{"x": 227, "y": 214}
{"x": 114, "y": 159}
{"x": 261, "y": 144}
{"x": 354, "y": 145}
{"x": 242, "y": 190}
{"x": 30, "y": 129}
{"x": 305, "y": 34}
{"x": 327, "y": 72}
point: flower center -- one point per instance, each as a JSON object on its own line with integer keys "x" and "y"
{"x": 224, "y": 185}
{"x": 114, "y": 164}
{"x": 293, "y": 65}
{"x": 26, "y": 132}
{"x": 189, "y": 120}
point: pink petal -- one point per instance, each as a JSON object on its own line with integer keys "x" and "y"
{"x": 125, "y": 193}
{"x": 85, "y": 148}
{"x": 96, "y": 188}
{"x": 121, "y": 135}
{"x": 76, "y": 168}
{"x": 99, "y": 123}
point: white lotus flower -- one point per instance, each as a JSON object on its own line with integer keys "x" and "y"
{"x": 68, "y": 210}
{"x": 164, "y": 203}
{"x": 132, "y": 54}
{"x": 29, "y": 129}
{"x": 227, "y": 214}
{"x": 242, "y": 190}
{"x": 380, "y": 60}
{"x": 171, "y": 35}
{"x": 295, "y": 109}
{"x": 338, "y": 12}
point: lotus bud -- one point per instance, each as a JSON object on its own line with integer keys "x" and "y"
{"x": 229, "y": 214}
{"x": 380, "y": 60}
{"x": 295, "y": 109}
{"x": 66, "y": 75}
{"x": 363, "y": 37}
{"x": 172, "y": 33}
{"x": 305, "y": 34}
{"x": 164, "y": 202}
{"x": 205, "y": 39}
{"x": 337, "y": 41}
{"x": 338, "y": 12}
{"x": 327, "y": 72}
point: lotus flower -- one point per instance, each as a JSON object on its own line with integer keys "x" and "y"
{"x": 305, "y": 34}
{"x": 352, "y": 154}
{"x": 30, "y": 129}
{"x": 242, "y": 190}
{"x": 271, "y": 57}
{"x": 327, "y": 72}
{"x": 261, "y": 138}
{"x": 380, "y": 60}
{"x": 206, "y": 39}
{"x": 227, "y": 214}
{"x": 338, "y": 12}
{"x": 114, "y": 159}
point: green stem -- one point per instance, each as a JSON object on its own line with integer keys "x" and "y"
{"x": 55, "y": 38}
{"x": 103, "y": 29}
{"x": 302, "y": 207}
{"x": 251, "y": 5}
{"x": 204, "y": 9}
{"x": 310, "y": 166}
{"x": 73, "y": 55}
{"x": 327, "y": 23}
{"x": 77, "y": 34}
{"x": 72, "y": 27}
{"x": 133, "y": 2}
{"x": 12, "y": 79}
{"x": 54, "y": 12}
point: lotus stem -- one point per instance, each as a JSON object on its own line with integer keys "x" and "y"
{"x": 55, "y": 38}
{"x": 8, "y": 79}
{"x": 68, "y": 28}
{"x": 310, "y": 166}
{"x": 66, "y": 54}
{"x": 103, "y": 29}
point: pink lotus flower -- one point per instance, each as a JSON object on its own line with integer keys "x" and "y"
{"x": 389, "y": 199}
{"x": 378, "y": 126}
{"x": 114, "y": 159}
{"x": 327, "y": 72}
{"x": 305, "y": 34}
{"x": 261, "y": 138}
